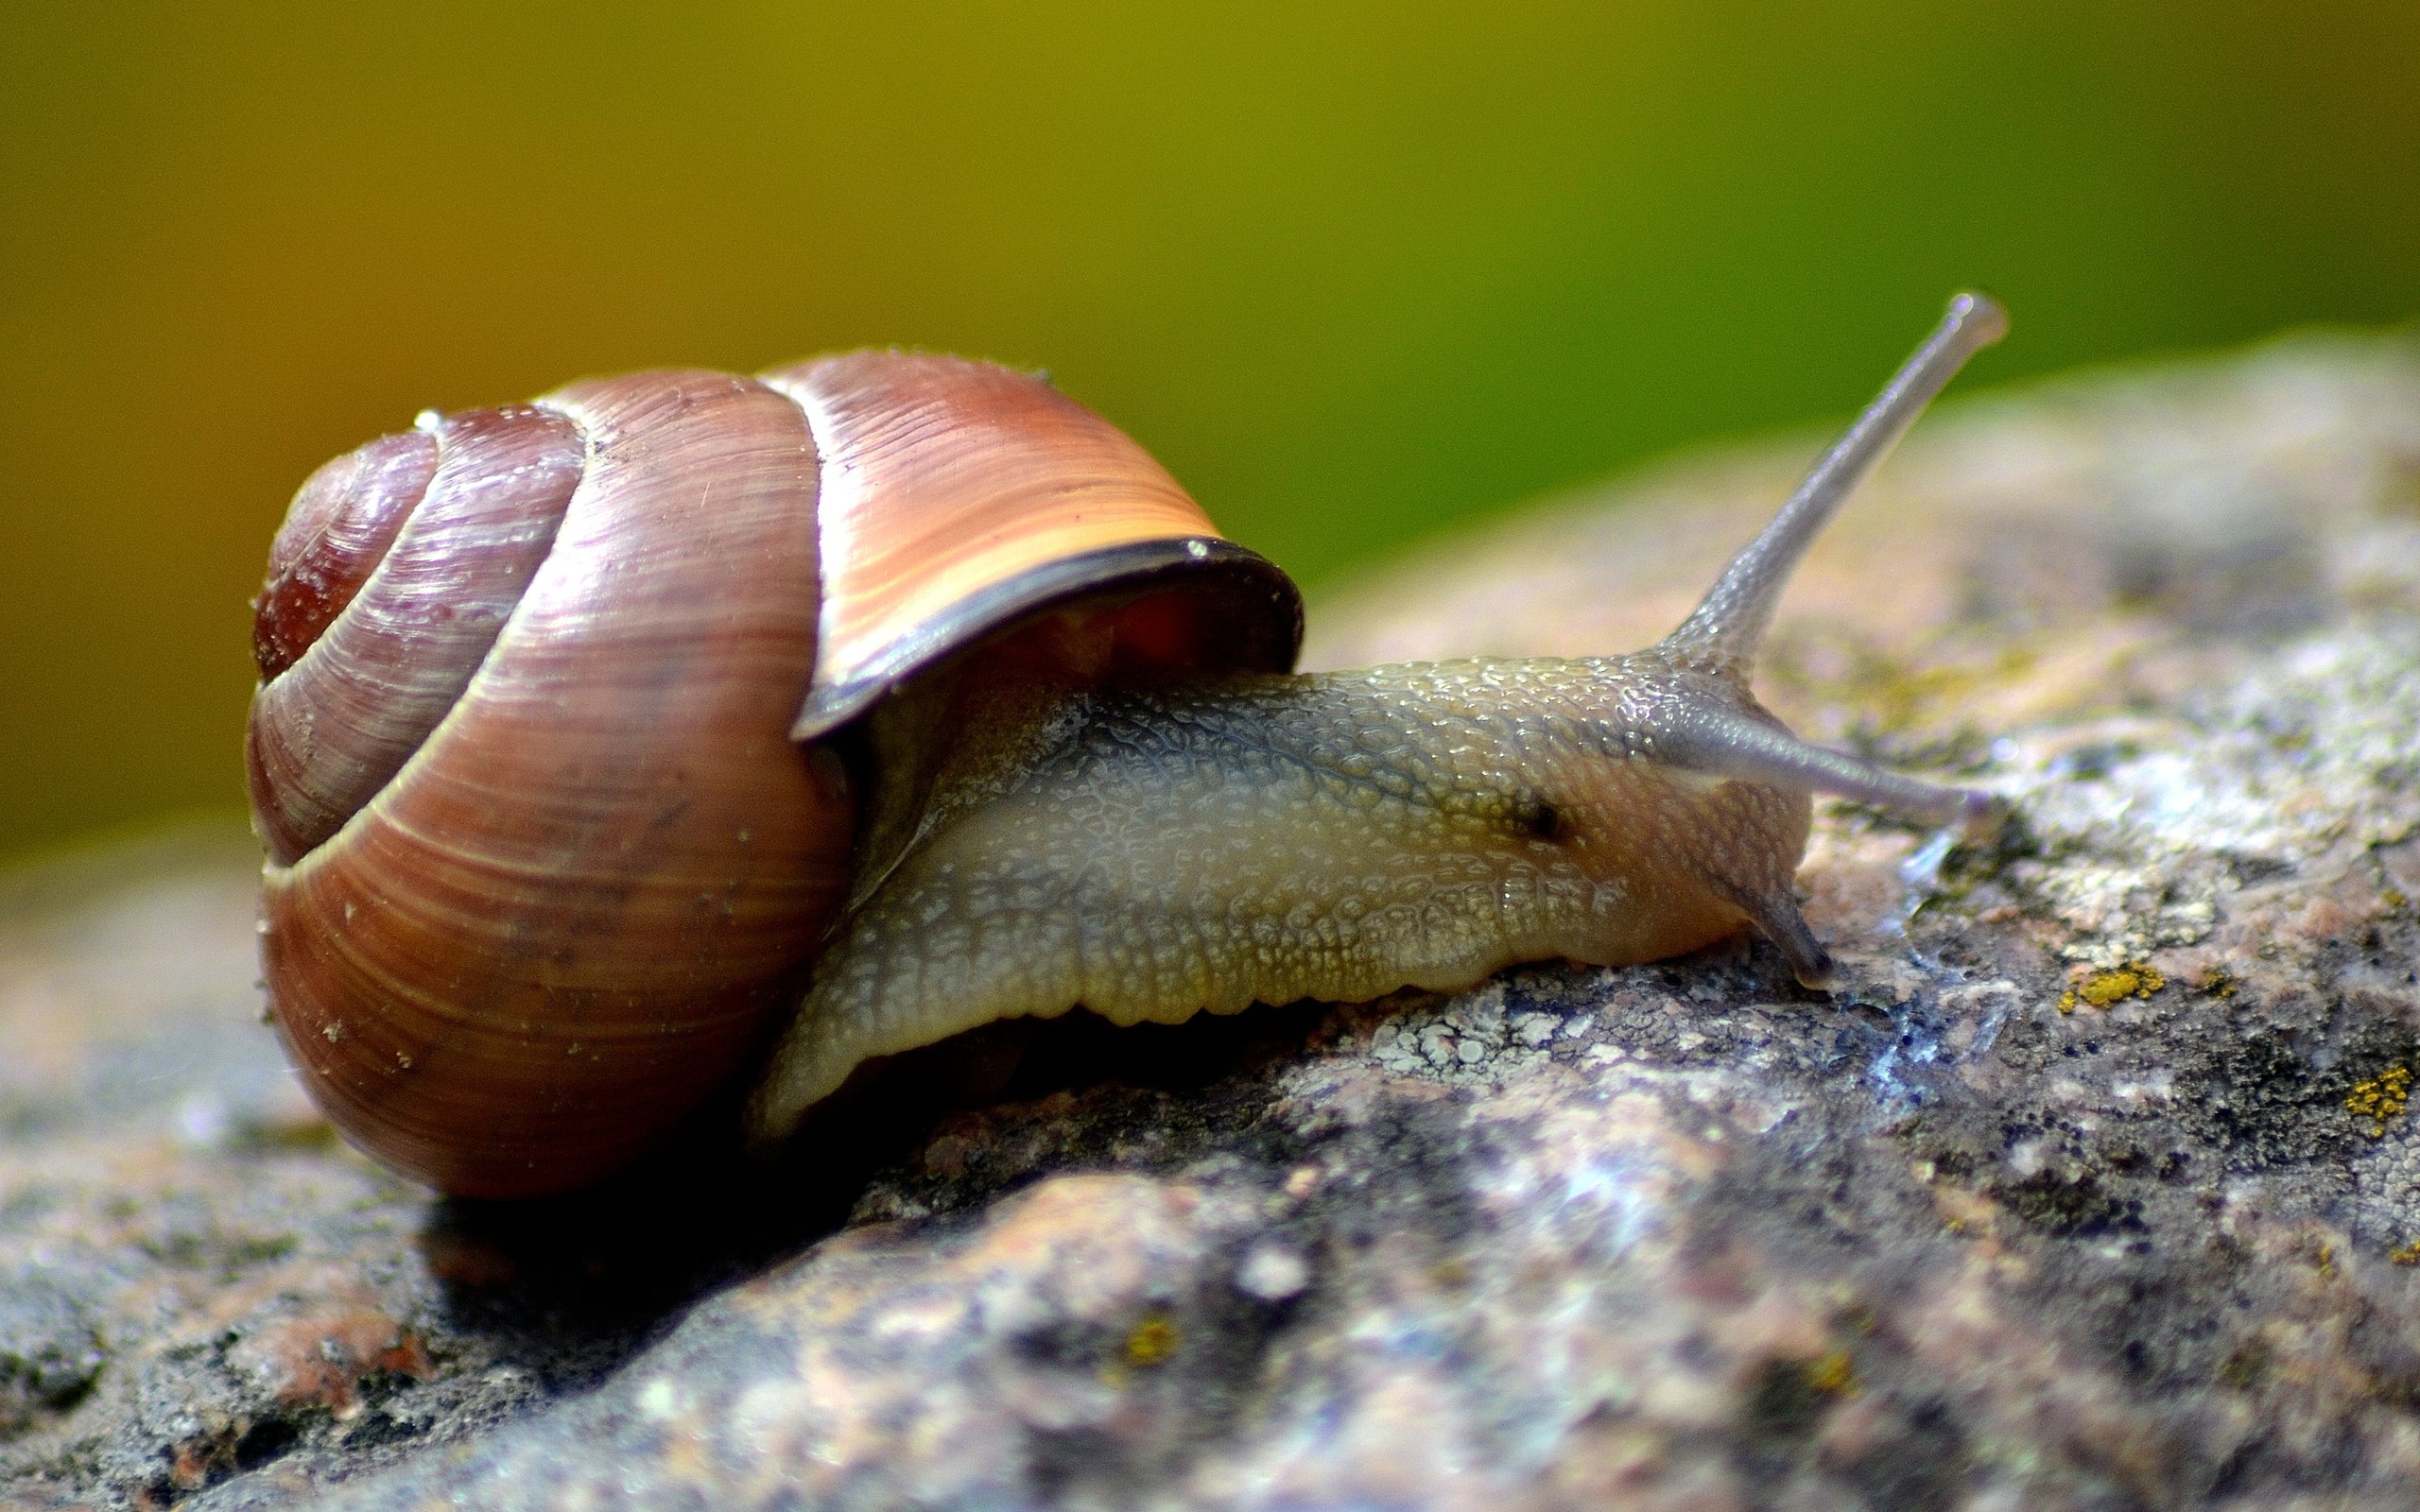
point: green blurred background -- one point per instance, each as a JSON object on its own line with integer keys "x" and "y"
{"x": 1351, "y": 271}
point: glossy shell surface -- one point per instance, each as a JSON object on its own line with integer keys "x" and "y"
{"x": 545, "y": 859}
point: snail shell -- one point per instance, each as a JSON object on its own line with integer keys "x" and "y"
{"x": 516, "y": 922}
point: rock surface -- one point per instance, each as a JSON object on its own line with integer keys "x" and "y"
{"x": 2094, "y": 1189}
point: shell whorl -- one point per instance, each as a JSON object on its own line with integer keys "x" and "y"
{"x": 564, "y": 919}
{"x": 376, "y": 617}
{"x": 545, "y": 855}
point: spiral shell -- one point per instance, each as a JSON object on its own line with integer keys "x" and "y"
{"x": 545, "y": 849}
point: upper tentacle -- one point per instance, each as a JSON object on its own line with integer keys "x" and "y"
{"x": 1729, "y": 624}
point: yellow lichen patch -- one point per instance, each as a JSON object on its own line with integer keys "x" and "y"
{"x": 1152, "y": 1340}
{"x": 2380, "y": 1098}
{"x": 1833, "y": 1375}
{"x": 2408, "y": 1255}
{"x": 2136, "y": 979}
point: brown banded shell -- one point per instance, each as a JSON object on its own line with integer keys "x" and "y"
{"x": 543, "y": 854}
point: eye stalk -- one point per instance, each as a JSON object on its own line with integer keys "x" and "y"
{"x": 1729, "y": 624}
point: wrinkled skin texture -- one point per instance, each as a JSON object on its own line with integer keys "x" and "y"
{"x": 1239, "y": 840}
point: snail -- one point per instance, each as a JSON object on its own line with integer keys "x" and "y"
{"x": 604, "y": 742}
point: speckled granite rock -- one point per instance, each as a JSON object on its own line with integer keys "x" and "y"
{"x": 2095, "y": 1190}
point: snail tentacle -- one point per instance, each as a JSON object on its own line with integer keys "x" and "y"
{"x": 1725, "y": 741}
{"x": 1729, "y": 624}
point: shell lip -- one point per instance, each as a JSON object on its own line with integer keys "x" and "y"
{"x": 1265, "y": 627}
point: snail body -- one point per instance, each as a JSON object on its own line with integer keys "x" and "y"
{"x": 1033, "y": 753}
{"x": 1235, "y": 840}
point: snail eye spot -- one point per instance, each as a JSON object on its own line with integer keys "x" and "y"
{"x": 1536, "y": 818}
